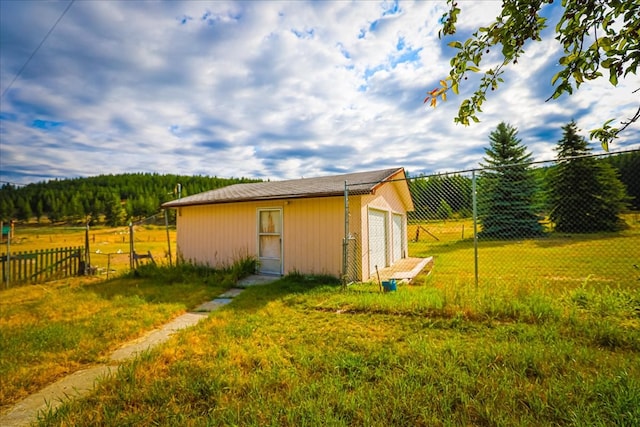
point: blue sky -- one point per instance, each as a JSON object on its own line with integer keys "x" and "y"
{"x": 271, "y": 90}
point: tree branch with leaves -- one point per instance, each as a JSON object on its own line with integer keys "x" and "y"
{"x": 596, "y": 36}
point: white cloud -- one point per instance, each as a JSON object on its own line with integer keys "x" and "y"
{"x": 260, "y": 89}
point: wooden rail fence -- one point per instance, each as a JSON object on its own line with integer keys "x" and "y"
{"x": 41, "y": 265}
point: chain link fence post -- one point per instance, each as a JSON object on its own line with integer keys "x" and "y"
{"x": 345, "y": 242}
{"x": 474, "y": 203}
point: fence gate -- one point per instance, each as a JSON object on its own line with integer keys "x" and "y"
{"x": 41, "y": 265}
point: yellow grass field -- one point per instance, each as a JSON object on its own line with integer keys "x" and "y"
{"x": 109, "y": 248}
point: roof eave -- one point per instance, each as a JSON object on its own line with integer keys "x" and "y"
{"x": 180, "y": 204}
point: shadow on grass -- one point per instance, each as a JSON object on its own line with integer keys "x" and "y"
{"x": 186, "y": 284}
{"x": 565, "y": 239}
{"x": 623, "y": 239}
{"x": 256, "y": 297}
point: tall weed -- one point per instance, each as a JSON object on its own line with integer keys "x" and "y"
{"x": 301, "y": 352}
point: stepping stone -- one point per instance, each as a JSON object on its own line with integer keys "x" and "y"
{"x": 70, "y": 387}
{"x": 256, "y": 280}
{"x": 212, "y": 305}
{"x": 155, "y": 337}
{"x": 231, "y": 293}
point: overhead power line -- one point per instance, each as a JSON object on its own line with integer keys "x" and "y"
{"x": 37, "y": 48}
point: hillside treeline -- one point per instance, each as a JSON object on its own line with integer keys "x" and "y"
{"x": 450, "y": 195}
{"x": 116, "y": 199}
{"x": 112, "y": 199}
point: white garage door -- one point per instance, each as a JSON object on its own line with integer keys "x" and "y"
{"x": 377, "y": 240}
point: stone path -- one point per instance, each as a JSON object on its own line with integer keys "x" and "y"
{"x": 82, "y": 382}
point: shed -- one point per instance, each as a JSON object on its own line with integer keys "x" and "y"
{"x": 300, "y": 225}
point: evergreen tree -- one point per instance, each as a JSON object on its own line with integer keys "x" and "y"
{"x": 39, "y": 210}
{"x": 444, "y": 210}
{"x": 128, "y": 207}
{"x": 75, "y": 208}
{"x": 430, "y": 192}
{"x": 628, "y": 167}
{"x": 507, "y": 188}
{"x": 6, "y": 209}
{"x": 24, "y": 209}
{"x": 57, "y": 211}
{"x": 115, "y": 214}
{"x": 585, "y": 194}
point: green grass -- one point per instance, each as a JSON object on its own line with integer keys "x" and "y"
{"x": 48, "y": 331}
{"x": 549, "y": 336}
{"x": 558, "y": 261}
{"x": 302, "y": 351}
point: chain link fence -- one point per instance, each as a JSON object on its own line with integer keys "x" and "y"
{"x": 121, "y": 249}
{"x": 103, "y": 251}
{"x": 560, "y": 223}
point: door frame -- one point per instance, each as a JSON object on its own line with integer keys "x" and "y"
{"x": 385, "y": 215}
{"x": 260, "y": 234}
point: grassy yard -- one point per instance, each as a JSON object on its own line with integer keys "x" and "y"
{"x": 559, "y": 344}
{"x": 50, "y": 330}
{"x": 302, "y": 351}
{"x": 552, "y": 263}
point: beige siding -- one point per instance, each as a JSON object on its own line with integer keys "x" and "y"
{"x": 386, "y": 198}
{"x": 313, "y": 231}
{"x": 216, "y": 235}
{"x": 219, "y": 234}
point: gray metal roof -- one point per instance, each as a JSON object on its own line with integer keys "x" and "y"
{"x": 358, "y": 183}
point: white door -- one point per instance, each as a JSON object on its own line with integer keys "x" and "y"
{"x": 377, "y": 240}
{"x": 270, "y": 241}
{"x": 398, "y": 237}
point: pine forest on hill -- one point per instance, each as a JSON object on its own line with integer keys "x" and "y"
{"x": 112, "y": 199}
{"x": 116, "y": 199}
